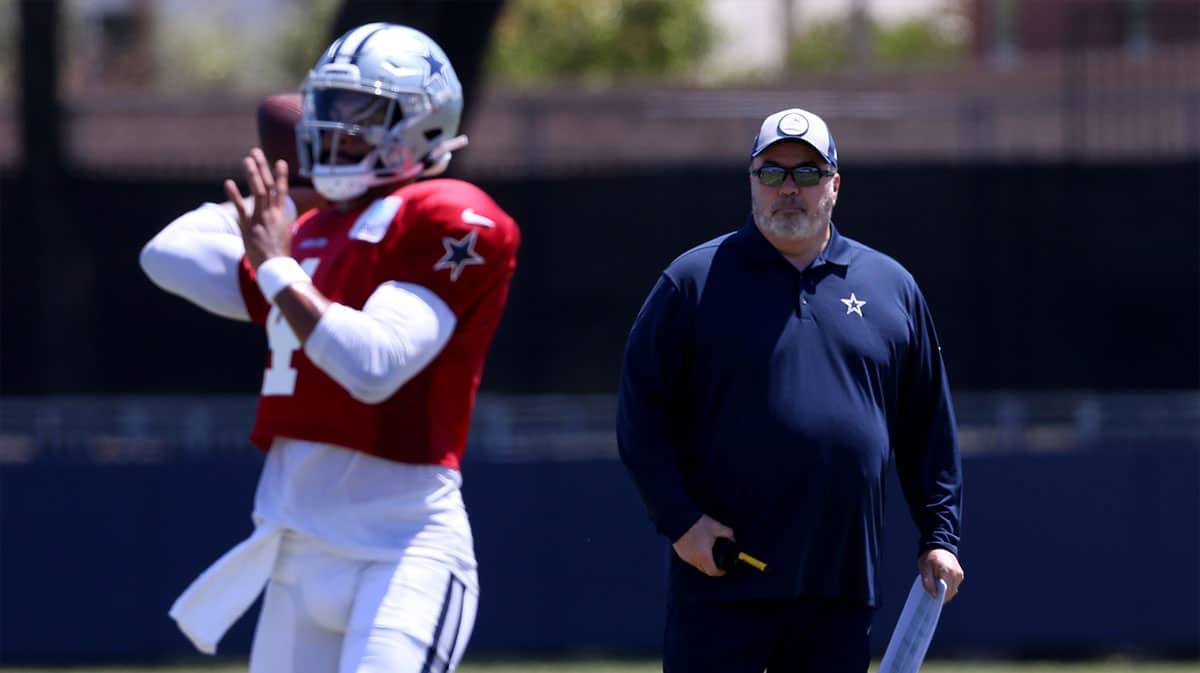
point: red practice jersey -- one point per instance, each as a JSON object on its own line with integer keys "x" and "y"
{"x": 445, "y": 235}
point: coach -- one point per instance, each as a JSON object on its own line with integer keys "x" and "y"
{"x": 770, "y": 378}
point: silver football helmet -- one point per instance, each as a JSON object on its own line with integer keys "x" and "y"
{"x": 381, "y": 105}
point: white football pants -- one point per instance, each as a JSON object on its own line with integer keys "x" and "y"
{"x": 325, "y": 613}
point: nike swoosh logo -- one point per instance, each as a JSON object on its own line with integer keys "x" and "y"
{"x": 471, "y": 217}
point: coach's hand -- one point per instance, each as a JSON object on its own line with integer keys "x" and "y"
{"x": 939, "y": 564}
{"x": 695, "y": 546}
{"x": 266, "y": 230}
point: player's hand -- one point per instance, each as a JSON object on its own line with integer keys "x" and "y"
{"x": 695, "y": 546}
{"x": 266, "y": 231}
{"x": 939, "y": 564}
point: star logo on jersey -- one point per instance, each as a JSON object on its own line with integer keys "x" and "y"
{"x": 854, "y": 305}
{"x": 459, "y": 254}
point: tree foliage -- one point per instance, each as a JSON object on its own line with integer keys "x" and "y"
{"x": 820, "y": 47}
{"x": 304, "y": 36}
{"x": 202, "y": 48}
{"x": 539, "y": 41}
{"x": 824, "y": 46}
{"x": 8, "y": 47}
{"x": 916, "y": 42}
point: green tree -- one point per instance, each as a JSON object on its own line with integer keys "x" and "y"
{"x": 917, "y": 42}
{"x": 8, "y": 47}
{"x": 938, "y": 39}
{"x": 541, "y": 41}
{"x": 212, "y": 47}
{"x": 303, "y": 36}
{"x": 820, "y": 47}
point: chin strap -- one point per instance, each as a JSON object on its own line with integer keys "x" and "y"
{"x": 439, "y": 158}
{"x": 344, "y": 187}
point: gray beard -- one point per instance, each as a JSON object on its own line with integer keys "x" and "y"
{"x": 796, "y": 227}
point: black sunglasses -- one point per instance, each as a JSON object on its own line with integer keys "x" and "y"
{"x": 803, "y": 176}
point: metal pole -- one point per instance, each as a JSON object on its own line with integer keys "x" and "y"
{"x": 61, "y": 282}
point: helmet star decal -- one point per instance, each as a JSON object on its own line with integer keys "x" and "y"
{"x": 435, "y": 66}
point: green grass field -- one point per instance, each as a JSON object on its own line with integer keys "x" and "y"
{"x": 1110, "y": 666}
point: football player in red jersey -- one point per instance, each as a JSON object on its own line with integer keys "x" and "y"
{"x": 379, "y": 309}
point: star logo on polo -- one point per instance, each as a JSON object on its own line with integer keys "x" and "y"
{"x": 460, "y": 253}
{"x": 854, "y": 305}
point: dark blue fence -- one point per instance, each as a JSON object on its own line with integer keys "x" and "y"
{"x": 1040, "y": 276}
{"x": 1067, "y": 554}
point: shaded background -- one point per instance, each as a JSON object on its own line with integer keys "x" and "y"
{"x": 1036, "y": 165}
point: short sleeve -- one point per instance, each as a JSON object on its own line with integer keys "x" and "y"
{"x": 454, "y": 240}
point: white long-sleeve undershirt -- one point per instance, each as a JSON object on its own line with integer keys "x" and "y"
{"x": 371, "y": 353}
{"x": 197, "y": 256}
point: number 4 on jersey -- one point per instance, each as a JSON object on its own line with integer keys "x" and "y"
{"x": 280, "y": 377}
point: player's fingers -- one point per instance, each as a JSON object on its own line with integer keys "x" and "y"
{"x": 235, "y": 197}
{"x": 254, "y": 181}
{"x": 281, "y": 181}
{"x": 264, "y": 168}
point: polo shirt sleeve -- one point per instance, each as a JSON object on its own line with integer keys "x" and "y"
{"x": 652, "y": 407}
{"x": 926, "y": 441}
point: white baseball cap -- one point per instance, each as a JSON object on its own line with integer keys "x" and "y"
{"x": 795, "y": 124}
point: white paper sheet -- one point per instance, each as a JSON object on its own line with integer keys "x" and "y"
{"x": 914, "y": 630}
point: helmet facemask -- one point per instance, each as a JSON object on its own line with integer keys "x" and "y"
{"x": 351, "y": 140}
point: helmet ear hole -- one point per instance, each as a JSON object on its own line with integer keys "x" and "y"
{"x": 430, "y": 134}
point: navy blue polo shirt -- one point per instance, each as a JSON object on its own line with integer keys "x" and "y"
{"x": 774, "y": 399}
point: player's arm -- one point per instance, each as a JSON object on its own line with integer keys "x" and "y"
{"x": 373, "y": 352}
{"x": 198, "y": 255}
{"x": 370, "y": 353}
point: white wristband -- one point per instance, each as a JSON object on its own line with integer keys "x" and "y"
{"x": 277, "y": 273}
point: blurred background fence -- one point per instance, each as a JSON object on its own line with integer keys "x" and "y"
{"x": 1036, "y": 165}
{"x": 1082, "y": 534}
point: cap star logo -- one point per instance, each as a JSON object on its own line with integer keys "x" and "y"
{"x": 460, "y": 253}
{"x": 854, "y": 305}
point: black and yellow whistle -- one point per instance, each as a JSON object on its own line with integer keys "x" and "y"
{"x": 727, "y": 555}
